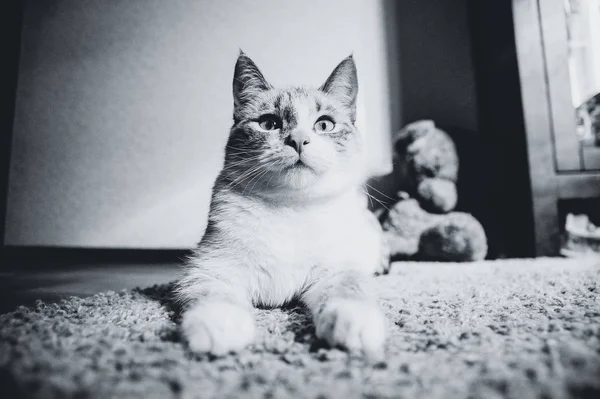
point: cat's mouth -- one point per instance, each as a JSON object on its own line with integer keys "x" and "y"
{"x": 300, "y": 165}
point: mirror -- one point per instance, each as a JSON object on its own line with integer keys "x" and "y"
{"x": 583, "y": 29}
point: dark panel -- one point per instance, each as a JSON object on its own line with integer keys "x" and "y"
{"x": 504, "y": 177}
{"x": 11, "y": 15}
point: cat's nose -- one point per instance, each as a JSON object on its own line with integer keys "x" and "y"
{"x": 297, "y": 140}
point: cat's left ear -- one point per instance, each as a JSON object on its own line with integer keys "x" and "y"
{"x": 343, "y": 84}
{"x": 248, "y": 80}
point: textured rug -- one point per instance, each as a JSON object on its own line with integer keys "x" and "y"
{"x": 495, "y": 329}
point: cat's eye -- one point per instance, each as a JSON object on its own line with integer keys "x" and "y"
{"x": 324, "y": 124}
{"x": 269, "y": 122}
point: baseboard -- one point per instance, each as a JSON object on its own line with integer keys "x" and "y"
{"x": 30, "y": 257}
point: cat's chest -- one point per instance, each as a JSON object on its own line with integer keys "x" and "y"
{"x": 307, "y": 231}
{"x": 326, "y": 235}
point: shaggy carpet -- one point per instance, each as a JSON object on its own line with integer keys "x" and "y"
{"x": 494, "y": 329}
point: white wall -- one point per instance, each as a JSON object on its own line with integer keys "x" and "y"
{"x": 123, "y": 107}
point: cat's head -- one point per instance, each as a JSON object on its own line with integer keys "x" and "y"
{"x": 298, "y": 140}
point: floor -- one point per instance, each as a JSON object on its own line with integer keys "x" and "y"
{"x": 25, "y": 286}
{"x": 516, "y": 328}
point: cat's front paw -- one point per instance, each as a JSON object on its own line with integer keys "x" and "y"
{"x": 218, "y": 327}
{"x": 353, "y": 324}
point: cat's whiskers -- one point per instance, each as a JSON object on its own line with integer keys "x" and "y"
{"x": 238, "y": 175}
{"x": 270, "y": 157}
{"x": 244, "y": 150}
{"x": 371, "y": 197}
{"x": 253, "y": 172}
{"x": 257, "y": 164}
{"x": 373, "y": 188}
{"x": 244, "y": 175}
{"x": 279, "y": 187}
{"x": 255, "y": 177}
{"x": 370, "y": 200}
{"x": 239, "y": 163}
{"x": 258, "y": 178}
{"x": 271, "y": 178}
{"x": 269, "y": 162}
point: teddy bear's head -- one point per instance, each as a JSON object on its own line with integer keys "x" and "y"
{"x": 428, "y": 160}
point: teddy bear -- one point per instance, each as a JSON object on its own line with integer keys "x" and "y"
{"x": 421, "y": 223}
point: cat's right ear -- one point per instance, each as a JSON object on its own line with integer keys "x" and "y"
{"x": 247, "y": 80}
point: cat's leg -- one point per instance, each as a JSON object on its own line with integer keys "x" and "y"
{"x": 219, "y": 316}
{"x": 346, "y": 313}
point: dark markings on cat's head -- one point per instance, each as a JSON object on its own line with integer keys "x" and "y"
{"x": 289, "y": 115}
{"x": 318, "y": 105}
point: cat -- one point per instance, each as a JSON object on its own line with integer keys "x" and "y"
{"x": 288, "y": 220}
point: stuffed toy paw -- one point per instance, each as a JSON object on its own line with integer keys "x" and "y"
{"x": 437, "y": 195}
{"x": 413, "y": 233}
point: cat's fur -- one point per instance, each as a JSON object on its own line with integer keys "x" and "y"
{"x": 279, "y": 229}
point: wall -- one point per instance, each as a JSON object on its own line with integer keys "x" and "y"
{"x": 123, "y": 107}
{"x": 438, "y": 80}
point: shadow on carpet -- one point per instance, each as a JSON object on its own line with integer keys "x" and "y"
{"x": 494, "y": 329}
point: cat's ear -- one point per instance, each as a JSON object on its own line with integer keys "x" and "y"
{"x": 247, "y": 80}
{"x": 343, "y": 84}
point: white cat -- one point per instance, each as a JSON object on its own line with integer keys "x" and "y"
{"x": 288, "y": 219}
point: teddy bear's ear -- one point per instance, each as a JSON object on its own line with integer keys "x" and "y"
{"x": 401, "y": 135}
{"x": 401, "y": 140}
